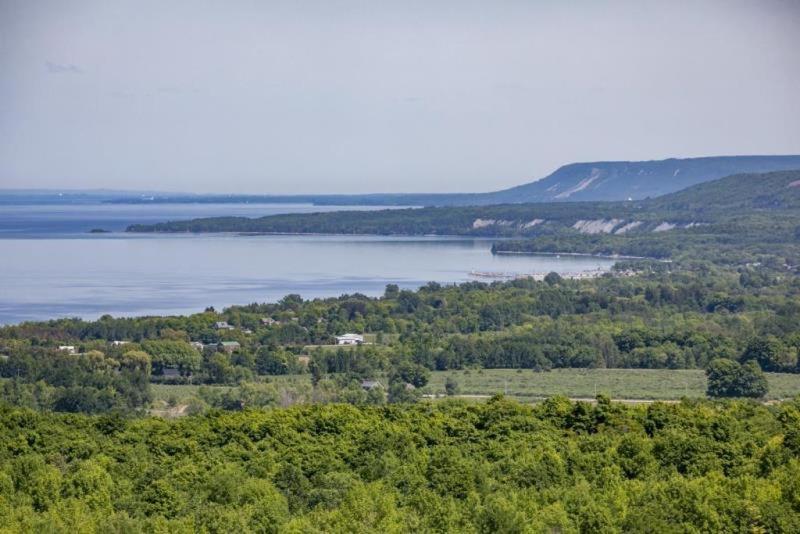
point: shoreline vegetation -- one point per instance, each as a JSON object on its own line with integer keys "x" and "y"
{"x": 539, "y": 277}
{"x": 579, "y": 254}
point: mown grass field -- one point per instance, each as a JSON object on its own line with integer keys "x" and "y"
{"x": 526, "y": 385}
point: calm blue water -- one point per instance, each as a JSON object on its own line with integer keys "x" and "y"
{"x": 51, "y": 268}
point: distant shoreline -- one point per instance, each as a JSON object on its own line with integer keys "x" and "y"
{"x": 584, "y": 254}
{"x": 235, "y": 233}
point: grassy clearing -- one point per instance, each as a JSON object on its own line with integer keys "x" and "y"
{"x": 783, "y": 385}
{"x": 525, "y": 385}
{"x": 181, "y": 393}
{"x": 164, "y": 392}
{"x": 656, "y": 384}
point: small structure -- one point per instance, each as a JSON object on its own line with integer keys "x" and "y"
{"x": 371, "y": 384}
{"x": 223, "y": 325}
{"x": 171, "y": 372}
{"x": 268, "y": 321}
{"x": 229, "y": 346}
{"x": 119, "y": 343}
{"x": 68, "y": 348}
{"x": 350, "y": 339}
{"x": 197, "y": 345}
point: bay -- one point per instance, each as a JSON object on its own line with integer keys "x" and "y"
{"x": 48, "y": 273}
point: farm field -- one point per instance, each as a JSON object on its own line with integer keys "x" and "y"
{"x": 526, "y": 385}
{"x": 645, "y": 384}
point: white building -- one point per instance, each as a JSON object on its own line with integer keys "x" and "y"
{"x": 69, "y": 348}
{"x": 350, "y": 339}
{"x": 223, "y": 325}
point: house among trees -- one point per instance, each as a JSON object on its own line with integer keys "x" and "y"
{"x": 68, "y": 348}
{"x": 197, "y": 345}
{"x": 118, "y": 343}
{"x": 229, "y": 346}
{"x": 268, "y": 321}
{"x": 350, "y": 339}
{"x": 223, "y": 325}
{"x": 371, "y": 384}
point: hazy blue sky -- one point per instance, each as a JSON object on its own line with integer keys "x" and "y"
{"x": 343, "y": 96}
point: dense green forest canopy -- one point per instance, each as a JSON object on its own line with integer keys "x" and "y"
{"x": 450, "y": 467}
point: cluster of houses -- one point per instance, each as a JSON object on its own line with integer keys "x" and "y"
{"x": 231, "y": 346}
{"x": 227, "y": 346}
{"x": 345, "y": 339}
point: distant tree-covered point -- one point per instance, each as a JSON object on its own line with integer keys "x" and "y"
{"x": 730, "y": 205}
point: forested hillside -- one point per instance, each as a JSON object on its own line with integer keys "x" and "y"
{"x": 622, "y": 180}
{"x": 591, "y": 181}
{"x": 762, "y": 192}
{"x": 716, "y": 201}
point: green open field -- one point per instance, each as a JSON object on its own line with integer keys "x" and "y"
{"x": 526, "y": 385}
{"x": 647, "y": 384}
